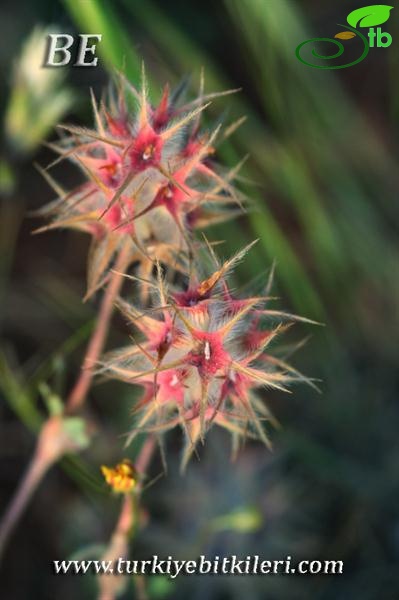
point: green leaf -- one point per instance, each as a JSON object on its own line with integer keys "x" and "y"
{"x": 75, "y": 429}
{"x": 18, "y": 396}
{"x": 243, "y": 520}
{"x": 53, "y": 402}
{"x": 7, "y": 178}
{"x": 369, "y": 16}
{"x": 159, "y": 586}
{"x": 115, "y": 48}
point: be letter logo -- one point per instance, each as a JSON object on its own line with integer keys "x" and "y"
{"x": 58, "y": 52}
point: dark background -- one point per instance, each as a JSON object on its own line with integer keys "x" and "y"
{"x": 323, "y": 151}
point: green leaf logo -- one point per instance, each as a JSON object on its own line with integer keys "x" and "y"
{"x": 369, "y": 16}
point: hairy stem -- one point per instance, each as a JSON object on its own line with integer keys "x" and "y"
{"x": 51, "y": 444}
{"x": 34, "y": 473}
{"x": 79, "y": 391}
{"x": 144, "y": 457}
{"x": 109, "y": 585}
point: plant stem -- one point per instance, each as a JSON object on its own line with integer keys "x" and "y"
{"x": 33, "y": 475}
{"x": 144, "y": 457}
{"x": 109, "y": 585}
{"x": 79, "y": 392}
{"x": 51, "y": 445}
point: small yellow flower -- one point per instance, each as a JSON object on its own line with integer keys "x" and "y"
{"x": 122, "y": 478}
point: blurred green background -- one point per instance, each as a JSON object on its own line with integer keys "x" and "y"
{"x": 323, "y": 149}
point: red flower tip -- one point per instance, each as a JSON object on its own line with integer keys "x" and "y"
{"x": 145, "y": 150}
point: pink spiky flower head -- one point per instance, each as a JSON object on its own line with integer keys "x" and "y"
{"x": 150, "y": 180}
{"x": 202, "y": 359}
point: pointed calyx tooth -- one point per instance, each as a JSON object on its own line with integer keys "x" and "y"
{"x": 127, "y": 148}
{"x": 213, "y": 364}
{"x": 149, "y": 184}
